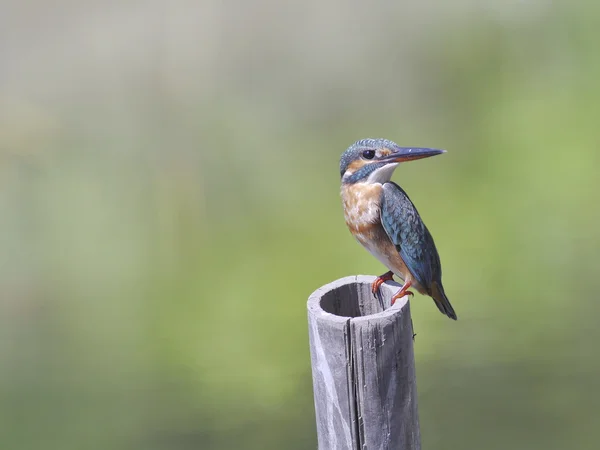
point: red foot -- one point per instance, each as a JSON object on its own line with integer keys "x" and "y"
{"x": 403, "y": 291}
{"x": 388, "y": 276}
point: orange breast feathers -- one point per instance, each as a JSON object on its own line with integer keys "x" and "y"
{"x": 362, "y": 204}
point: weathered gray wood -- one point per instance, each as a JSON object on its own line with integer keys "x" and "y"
{"x": 363, "y": 367}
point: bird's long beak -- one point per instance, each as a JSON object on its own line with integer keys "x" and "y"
{"x": 402, "y": 154}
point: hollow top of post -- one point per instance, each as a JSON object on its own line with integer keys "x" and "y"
{"x": 351, "y": 298}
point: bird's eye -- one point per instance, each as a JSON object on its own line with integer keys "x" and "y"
{"x": 369, "y": 154}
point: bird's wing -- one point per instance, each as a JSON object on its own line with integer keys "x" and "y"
{"x": 409, "y": 234}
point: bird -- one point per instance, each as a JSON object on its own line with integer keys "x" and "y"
{"x": 382, "y": 218}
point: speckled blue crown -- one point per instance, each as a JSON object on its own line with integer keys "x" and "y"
{"x": 364, "y": 144}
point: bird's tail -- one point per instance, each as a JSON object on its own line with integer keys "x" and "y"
{"x": 441, "y": 301}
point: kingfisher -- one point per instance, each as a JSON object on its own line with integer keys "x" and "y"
{"x": 385, "y": 221}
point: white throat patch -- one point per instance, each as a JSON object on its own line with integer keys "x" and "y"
{"x": 383, "y": 174}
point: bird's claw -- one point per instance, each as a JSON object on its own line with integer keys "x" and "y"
{"x": 388, "y": 276}
{"x": 397, "y": 296}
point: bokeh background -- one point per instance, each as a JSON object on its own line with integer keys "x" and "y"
{"x": 169, "y": 197}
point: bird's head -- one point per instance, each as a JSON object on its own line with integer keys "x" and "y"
{"x": 374, "y": 160}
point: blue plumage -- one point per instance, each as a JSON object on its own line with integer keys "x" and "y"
{"x": 410, "y": 236}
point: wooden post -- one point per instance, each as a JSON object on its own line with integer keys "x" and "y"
{"x": 363, "y": 367}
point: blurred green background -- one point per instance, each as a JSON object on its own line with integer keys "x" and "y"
{"x": 169, "y": 197}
